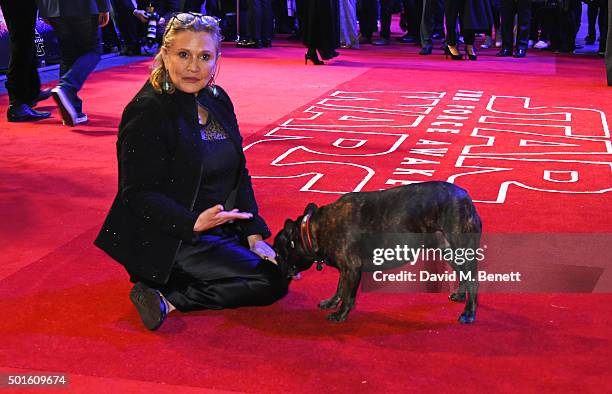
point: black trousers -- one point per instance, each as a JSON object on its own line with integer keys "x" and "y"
{"x": 414, "y": 9}
{"x": 22, "y": 80}
{"x": 509, "y": 8}
{"x": 259, "y": 19}
{"x": 221, "y": 273}
{"x": 127, "y": 24}
{"x": 386, "y": 10}
{"x": 452, "y": 8}
{"x": 367, "y": 14}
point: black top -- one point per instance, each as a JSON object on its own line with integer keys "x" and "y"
{"x": 220, "y": 166}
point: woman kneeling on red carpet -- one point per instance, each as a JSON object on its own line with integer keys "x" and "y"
{"x": 185, "y": 222}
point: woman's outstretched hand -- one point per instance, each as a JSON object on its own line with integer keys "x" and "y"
{"x": 216, "y": 216}
{"x": 261, "y": 248}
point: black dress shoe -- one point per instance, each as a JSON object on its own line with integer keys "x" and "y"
{"x": 24, "y": 113}
{"x": 520, "y": 53}
{"x": 425, "y": 51}
{"x": 505, "y": 52}
{"x": 42, "y": 96}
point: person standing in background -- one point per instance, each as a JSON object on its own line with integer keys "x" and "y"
{"x": 22, "y": 80}
{"x": 77, "y": 26}
{"x": 321, "y": 30}
{"x": 349, "y": 35}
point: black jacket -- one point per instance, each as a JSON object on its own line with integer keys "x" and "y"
{"x": 160, "y": 168}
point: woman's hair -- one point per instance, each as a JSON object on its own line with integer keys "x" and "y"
{"x": 178, "y": 23}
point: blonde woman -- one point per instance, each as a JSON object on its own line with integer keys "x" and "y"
{"x": 183, "y": 186}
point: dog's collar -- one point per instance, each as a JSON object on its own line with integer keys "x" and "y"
{"x": 307, "y": 240}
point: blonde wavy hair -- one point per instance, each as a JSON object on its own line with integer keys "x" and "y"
{"x": 183, "y": 21}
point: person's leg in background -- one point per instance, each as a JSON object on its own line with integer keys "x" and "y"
{"x": 508, "y": 10}
{"x": 427, "y": 26}
{"x": 110, "y": 38}
{"x": 253, "y": 25}
{"x": 603, "y": 27}
{"x": 438, "y": 31}
{"x": 386, "y": 10}
{"x": 592, "y": 11}
{"x": 79, "y": 40}
{"x": 522, "y": 27}
{"x": 22, "y": 80}
{"x": 267, "y": 23}
{"x": 367, "y": 13}
{"x": 128, "y": 26}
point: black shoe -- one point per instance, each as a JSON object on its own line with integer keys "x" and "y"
{"x": 505, "y": 52}
{"x": 520, "y": 53}
{"x": 313, "y": 57}
{"x": 150, "y": 305}
{"x": 267, "y": 43}
{"x": 42, "y": 96}
{"x": 447, "y": 52}
{"x": 24, "y": 113}
{"x": 425, "y": 51}
{"x": 67, "y": 110}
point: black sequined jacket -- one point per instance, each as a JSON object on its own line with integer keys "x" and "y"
{"x": 160, "y": 169}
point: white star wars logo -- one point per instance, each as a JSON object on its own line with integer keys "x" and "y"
{"x": 347, "y": 141}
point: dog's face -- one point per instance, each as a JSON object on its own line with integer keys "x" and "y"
{"x": 290, "y": 254}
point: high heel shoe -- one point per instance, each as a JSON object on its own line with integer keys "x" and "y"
{"x": 314, "y": 58}
{"x": 447, "y": 53}
{"x": 471, "y": 56}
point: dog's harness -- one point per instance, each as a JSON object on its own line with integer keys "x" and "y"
{"x": 307, "y": 242}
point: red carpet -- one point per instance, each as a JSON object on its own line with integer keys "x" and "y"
{"x": 540, "y": 166}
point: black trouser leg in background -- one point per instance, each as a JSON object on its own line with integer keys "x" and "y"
{"x": 22, "y": 80}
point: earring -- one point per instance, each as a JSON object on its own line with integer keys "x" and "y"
{"x": 212, "y": 87}
{"x": 167, "y": 84}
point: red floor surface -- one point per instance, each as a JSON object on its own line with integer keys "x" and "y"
{"x": 534, "y": 151}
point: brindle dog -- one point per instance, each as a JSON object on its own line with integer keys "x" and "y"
{"x": 335, "y": 234}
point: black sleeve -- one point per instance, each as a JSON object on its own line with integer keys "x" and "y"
{"x": 144, "y": 169}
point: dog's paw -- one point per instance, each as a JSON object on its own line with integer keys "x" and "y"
{"x": 457, "y": 297}
{"x": 337, "y": 317}
{"x": 329, "y": 303}
{"x": 467, "y": 317}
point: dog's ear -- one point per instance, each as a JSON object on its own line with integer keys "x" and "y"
{"x": 288, "y": 225}
{"x": 310, "y": 208}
